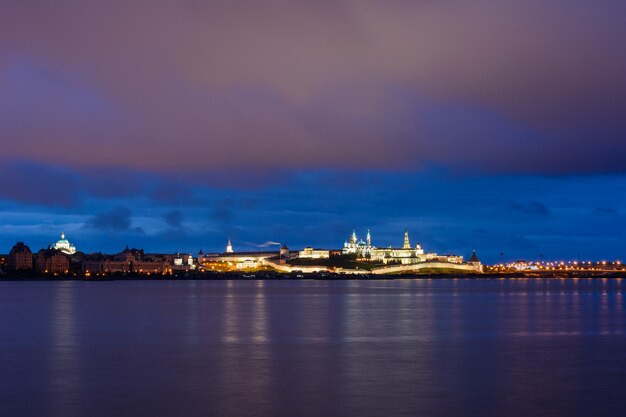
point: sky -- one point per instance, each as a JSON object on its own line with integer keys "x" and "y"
{"x": 172, "y": 125}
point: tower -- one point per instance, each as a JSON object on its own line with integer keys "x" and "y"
{"x": 407, "y": 244}
{"x": 369, "y": 239}
{"x": 353, "y": 237}
{"x": 229, "y": 247}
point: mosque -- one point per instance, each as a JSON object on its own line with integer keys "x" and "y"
{"x": 354, "y": 246}
{"x": 64, "y": 246}
{"x": 404, "y": 255}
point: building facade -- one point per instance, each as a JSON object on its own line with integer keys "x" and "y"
{"x": 359, "y": 248}
{"x": 106, "y": 264}
{"x": 310, "y": 253}
{"x": 52, "y": 261}
{"x": 133, "y": 260}
{"x": 20, "y": 258}
{"x": 405, "y": 255}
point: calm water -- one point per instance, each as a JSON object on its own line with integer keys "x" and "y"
{"x": 310, "y": 348}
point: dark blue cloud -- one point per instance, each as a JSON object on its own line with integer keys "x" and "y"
{"x": 222, "y": 214}
{"x": 117, "y": 220}
{"x": 32, "y": 183}
{"x": 445, "y": 213}
{"x": 533, "y": 208}
{"x": 520, "y": 216}
{"x": 604, "y": 211}
{"x": 174, "y": 219}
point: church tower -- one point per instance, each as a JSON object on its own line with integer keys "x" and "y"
{"x": 407, "y": 244}
{"x": 229, "y": 247}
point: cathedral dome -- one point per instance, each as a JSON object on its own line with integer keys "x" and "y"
{"x": 64, "y": 245}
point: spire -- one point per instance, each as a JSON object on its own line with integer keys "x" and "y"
{"x": 407, "y": 244}
{"x": 229, "y": 247}
{"x": 353, "y": 237}
{"x": 62, "y": 235}
{"x": 369, "y": 238}
{"x": 474, "y": 258}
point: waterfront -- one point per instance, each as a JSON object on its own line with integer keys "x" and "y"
{"x": 441, "y": 347}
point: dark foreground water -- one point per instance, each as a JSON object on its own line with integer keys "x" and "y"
{"x": 312, "y": 348}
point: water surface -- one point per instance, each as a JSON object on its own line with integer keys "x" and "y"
{"x": 313, "y": 348}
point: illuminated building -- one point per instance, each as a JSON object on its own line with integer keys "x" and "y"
{"x": 184, "y": 259}
{"x": 229, "y": 247}
{"x": 247, "y": 264}
{"x": 475, "y": 262}
{"x": 52, "y": 261}
{"x": 64, "y": 246}
{"x": 404, "y": 255}
{"x": 238, "y": 260}
{"x": 143, "y": 263}
{"x": 110, "y": 264}
{"x": 135, "y": 260}
{"x": 521, "y": 265}
{"x": 310, "y": 253}
{"x": 354, "y": 246}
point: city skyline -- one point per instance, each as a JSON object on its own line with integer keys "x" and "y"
{"x": 355, "y": 239}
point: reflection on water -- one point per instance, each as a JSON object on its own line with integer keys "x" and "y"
{"x": 313, "y": 348}
{"x": 64, "y": 356}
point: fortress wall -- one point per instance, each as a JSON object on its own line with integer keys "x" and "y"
{"x": 426, "y": 265}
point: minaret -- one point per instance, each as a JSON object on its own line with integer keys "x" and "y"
{"x": 369, "y": 238}
{"x": 229, "y": 247}
{"x": 407, "y": 244}
{"x": 353, "y": 237}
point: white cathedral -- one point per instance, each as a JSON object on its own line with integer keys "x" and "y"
{"x": 64, "y": 246}
{"x": 405, "y": 255}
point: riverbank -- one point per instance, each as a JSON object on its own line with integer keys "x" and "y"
{"x": 272, "y": 275}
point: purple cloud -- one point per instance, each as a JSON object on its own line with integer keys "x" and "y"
{"x": 205, "y": 87}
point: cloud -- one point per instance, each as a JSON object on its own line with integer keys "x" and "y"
{"x": 116, "y": 220}
{"x": 33, "y": 183}
{"x": 267, "y": 244}
{"x": 604, "y": 211}
{"x": 223, "y": 210}
{"x": 222, "y": 214}
{"x": 512, "y": 86}
{"x": 174, "y": 219}
{"x": 445, "y": 213}
{"x": 533, "y": 208}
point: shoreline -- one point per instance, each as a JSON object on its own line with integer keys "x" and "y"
{"x": 273, "y": 276}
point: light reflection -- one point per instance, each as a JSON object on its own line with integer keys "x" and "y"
{"x": 259, "y": 315}
{"x": 244, "y": 367}
{"x": 230, "y": 321}
{"x": 64, "y": 375}
{"x": 193, "y": 320}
